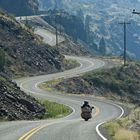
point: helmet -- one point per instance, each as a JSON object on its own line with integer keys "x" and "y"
{"x": 86, "y": 102}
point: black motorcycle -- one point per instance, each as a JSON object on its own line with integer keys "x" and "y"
{"x": 86, "y": 113}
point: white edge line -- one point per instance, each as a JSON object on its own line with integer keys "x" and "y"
{"x": 97, "y": 127}
{"x": 73, "y": 110}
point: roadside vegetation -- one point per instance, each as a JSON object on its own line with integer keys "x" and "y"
{"x": 70, "y": 64}
{"x": 55, "y": 110}
{"x": 2, "y": 60}
{"x": 122, "y": 83}
{"x": 48, "y": 86}
{"x": 127, "y": 128}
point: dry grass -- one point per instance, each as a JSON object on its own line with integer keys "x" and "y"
{"x": 49, "y": 85}
{"x": 70, "y": 64}
{"x": 123, "y": 134}
{"x": 124, "y": 128}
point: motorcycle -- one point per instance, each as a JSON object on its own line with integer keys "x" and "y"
{"x": 86, "y": 113}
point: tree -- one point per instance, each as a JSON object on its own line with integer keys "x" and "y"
{"x": 87, "y": 28}
{"x": 102, "y": 46}
{"x": 2, "y": 60}
{"x": 87, "y": 23}
{"x": 80, "y": 14}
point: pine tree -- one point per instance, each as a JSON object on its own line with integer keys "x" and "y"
{"x": 87, "y": 23}
{"x": 87, "y": 28}
{"x": 102, "y": 46}
{"x": 80, "y": 14}
{"x": 2, "y": 60}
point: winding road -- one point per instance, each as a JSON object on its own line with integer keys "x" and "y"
{"x": 71, "y": 127}
{"x": 50, "y": 37}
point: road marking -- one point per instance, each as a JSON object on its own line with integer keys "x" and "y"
{"x": 25, "y": 135}
{"x": 97, "y": 127}
{"x": 98, "y": 131}
{"x": 33, "y": 131}
{"x": 97, "y": 111}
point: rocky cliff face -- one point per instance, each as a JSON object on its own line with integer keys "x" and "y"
{"x": 15, "y": 104}
{"x": 19, "y": 7}
{"x": 25, "y": 52}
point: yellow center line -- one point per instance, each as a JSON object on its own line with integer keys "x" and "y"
{"x": 97, "y": 111}
{"x": 31, "y": 134}
{"x": 33, "y": 131}
{"x": 25, "y": 135}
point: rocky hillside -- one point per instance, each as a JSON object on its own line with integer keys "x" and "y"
{"x": 121, "y": 82}
{"x": 67, "y": 47}
{"x": 15, "y": 104}
{"x": 25, "y": 52}
{"x": 19, "y": 7}
{"x": 104, "y": 17}
{"x": 74, "y": 28}
{"x": 71, "y": 25}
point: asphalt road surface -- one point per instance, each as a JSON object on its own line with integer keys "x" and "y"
{"x": 71, "y": 127}
{"x": 48, "y": 36}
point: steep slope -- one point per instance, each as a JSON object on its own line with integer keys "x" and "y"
{"x": 72, "y": 25}
{"x": 25, "y": 52}
{"x": 19, "y": 7}
{"x": 15, "y": 104}
{"x": 22, "y": 53}
{"x": 73, "y": 28}
{"x": 66, "y": 44}
{"x": 104, "y": 19}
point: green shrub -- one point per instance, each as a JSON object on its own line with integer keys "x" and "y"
{"x": 2, "y": 60}
{"x": 55, "y": 110}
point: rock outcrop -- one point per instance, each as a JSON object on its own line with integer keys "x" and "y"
{"x": 15, "y": 104}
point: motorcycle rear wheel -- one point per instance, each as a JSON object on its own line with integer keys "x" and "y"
{"x": 86, "y": 119}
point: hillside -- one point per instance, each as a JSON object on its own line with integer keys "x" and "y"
{"x": 118, "y": 83}
{"x": 25, "y": 52}
{"x": 74, "y": 28}
{"x": 22, "y": 53}
{"x": 104, "y": 17}
{"x": 19, "y": 7}
{"x": 68, "y": 46}
{"x": 71, "y": 25}
{"x": 15, "y": 104}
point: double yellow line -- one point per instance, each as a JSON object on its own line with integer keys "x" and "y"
{"x": 29, "y": 134}
{"x": 97, "y": 111}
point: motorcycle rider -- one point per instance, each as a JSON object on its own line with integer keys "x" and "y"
{"x": 86, "y": 111}
{"x": 86, "y": 104}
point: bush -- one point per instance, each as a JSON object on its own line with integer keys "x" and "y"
{"x": 2, "y": 60}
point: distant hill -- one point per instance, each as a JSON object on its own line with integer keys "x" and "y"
{"x": 105, "y": 16}
{"x": 19, "y": 7}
